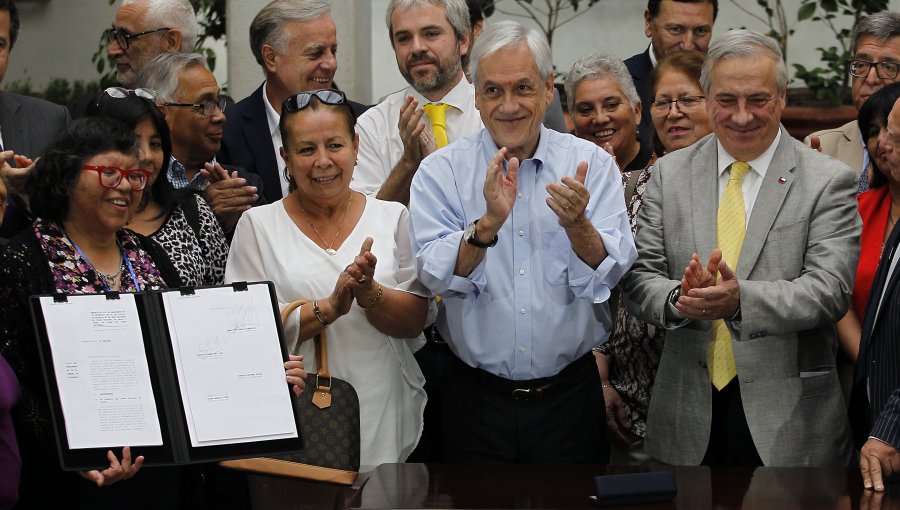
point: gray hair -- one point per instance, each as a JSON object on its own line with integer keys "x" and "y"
{"x": 175, "y": 14}
{"x": 882, "y": 26}
{"x": 744, "y": 44}
{"x": 162, "y": 72}
{"x": 457, "y": 14}
{"x": 595, "y": 67}
{"x": 505, "y": 34}
{"x": 268, "y": 25}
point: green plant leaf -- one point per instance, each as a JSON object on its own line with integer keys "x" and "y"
{"x": 806, "y": 11}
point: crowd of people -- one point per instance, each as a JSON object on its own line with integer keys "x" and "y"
{"x": 676, "y": 281}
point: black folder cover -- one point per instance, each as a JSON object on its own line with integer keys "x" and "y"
{"x": 176, "y": 447}
{"x": 634, "y": 488}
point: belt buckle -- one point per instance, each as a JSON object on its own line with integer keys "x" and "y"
{"x": 523, "y": 394}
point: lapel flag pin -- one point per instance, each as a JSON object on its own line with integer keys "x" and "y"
{"x": 782, "y": 180}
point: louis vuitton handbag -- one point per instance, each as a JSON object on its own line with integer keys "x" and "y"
{"x": 329, "y": 420}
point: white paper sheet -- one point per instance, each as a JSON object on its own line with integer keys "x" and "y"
{"x": 229, "y": 365}
{"x": 101, "y": 371}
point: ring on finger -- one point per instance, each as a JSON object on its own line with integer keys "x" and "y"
{"x": 362, "y": 279}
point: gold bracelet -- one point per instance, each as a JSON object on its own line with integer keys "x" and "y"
{"x": 376, "y": 299}
{"x": 318, "y": 313}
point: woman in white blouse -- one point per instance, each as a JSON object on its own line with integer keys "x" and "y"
{"x": 350, "y": 256}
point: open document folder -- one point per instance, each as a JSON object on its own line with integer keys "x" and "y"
{"x": 182, "y": 376}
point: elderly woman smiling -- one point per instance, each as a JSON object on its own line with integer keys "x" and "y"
{"x": 628, "y": 361}
{"x": 351, "y": 256}
{"x": 606, "y": 109}
{"x": 82, "y": 191}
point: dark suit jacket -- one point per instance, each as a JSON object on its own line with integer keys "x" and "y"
{"x": 28, "y": 125}
{"x": 640, "y": 66}
{"x": 875, "y": 403}
{"x": 246, "y": 142}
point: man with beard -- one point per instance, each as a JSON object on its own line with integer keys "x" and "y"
{"x": 143, "y": 29}
{"x": 428, "y": 37}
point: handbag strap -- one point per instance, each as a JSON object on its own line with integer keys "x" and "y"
{"x": 320, "y": 342}
{"x": 631, "y": 186}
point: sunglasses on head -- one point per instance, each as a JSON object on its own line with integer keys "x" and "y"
{"x": 122, "y": 92}
{"x": 300, "y": 101}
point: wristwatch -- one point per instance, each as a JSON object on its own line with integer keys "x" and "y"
{"x": 469, "y": 237}
{"x": 674, "y": 295}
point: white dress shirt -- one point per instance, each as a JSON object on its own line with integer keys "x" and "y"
{"x": 380, "y": 146}
{"x": 752, "y": 180}
{"x": 273, "y": 118}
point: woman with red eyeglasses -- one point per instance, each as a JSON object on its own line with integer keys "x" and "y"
{"x": 82, "y": 192}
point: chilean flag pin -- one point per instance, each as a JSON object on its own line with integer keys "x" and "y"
{"x": 782, "y": 180}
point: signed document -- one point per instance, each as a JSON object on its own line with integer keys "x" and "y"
{"x": 229, "y": 365}
{"x": 101, "y": 371}
{"x": 182, "y": 376}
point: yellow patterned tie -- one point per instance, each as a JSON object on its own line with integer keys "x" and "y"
{"x": 731, "y": 226}
{"x": 437, "y": 112}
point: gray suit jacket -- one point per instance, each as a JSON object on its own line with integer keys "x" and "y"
{"x": 843, "y": 143}
{"x": 795, "y": 274}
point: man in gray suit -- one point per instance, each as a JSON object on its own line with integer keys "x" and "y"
{"x": 27, "y": 124}
{"x": 747, "y": 373}
{"x": 876, "y": 54}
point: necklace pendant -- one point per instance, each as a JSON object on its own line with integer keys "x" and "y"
{"x": 331, "y": 251}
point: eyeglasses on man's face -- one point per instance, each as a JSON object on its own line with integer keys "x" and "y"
{"x": 884, "y": 70}
{"x": 685, "y": 103}
{"x": 300, "y": 101}
{"x": 121, "y": 36}
{"x": 207, "y": 107}
{"x": 111, "y": 176}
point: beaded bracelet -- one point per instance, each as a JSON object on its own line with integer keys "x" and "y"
{"x": 318, "y": 313}
{"x": 378, "y": 294}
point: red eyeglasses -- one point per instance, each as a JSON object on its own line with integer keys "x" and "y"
{"x": 111, "y": 176}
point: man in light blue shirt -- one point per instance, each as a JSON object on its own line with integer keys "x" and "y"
{"x": 524, "y": 257}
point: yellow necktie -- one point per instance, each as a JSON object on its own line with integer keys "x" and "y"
{"x": 437, "y": 112}
{"x": 731, "y": 226}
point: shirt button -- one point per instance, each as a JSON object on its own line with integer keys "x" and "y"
{"x": 521, "y": 271}
{"x": 521, "y": 233}
{"x": 522, "y": 311}
{"x": 519, "y": 194}
{"x": 521, "y": 349}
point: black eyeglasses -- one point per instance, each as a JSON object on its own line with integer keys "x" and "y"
{"x": 122, "y": 37}
{"x": 685, "y": 103}
{"x": 111, "y": 176}
{"x": 884, "y": 70}
{"x": 207, "y": 107}
{"x": 122, "y": 92}
{"x": 300, "y": 101}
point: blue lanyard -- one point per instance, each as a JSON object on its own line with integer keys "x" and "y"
{"x": 137, "y": 286}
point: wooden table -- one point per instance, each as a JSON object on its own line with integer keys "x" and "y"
{"x": 493, "y": 487}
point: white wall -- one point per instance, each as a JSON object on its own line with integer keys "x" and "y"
{"x": 58, "y": 38}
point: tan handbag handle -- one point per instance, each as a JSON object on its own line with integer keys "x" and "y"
{"x": 320, "y": 342}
